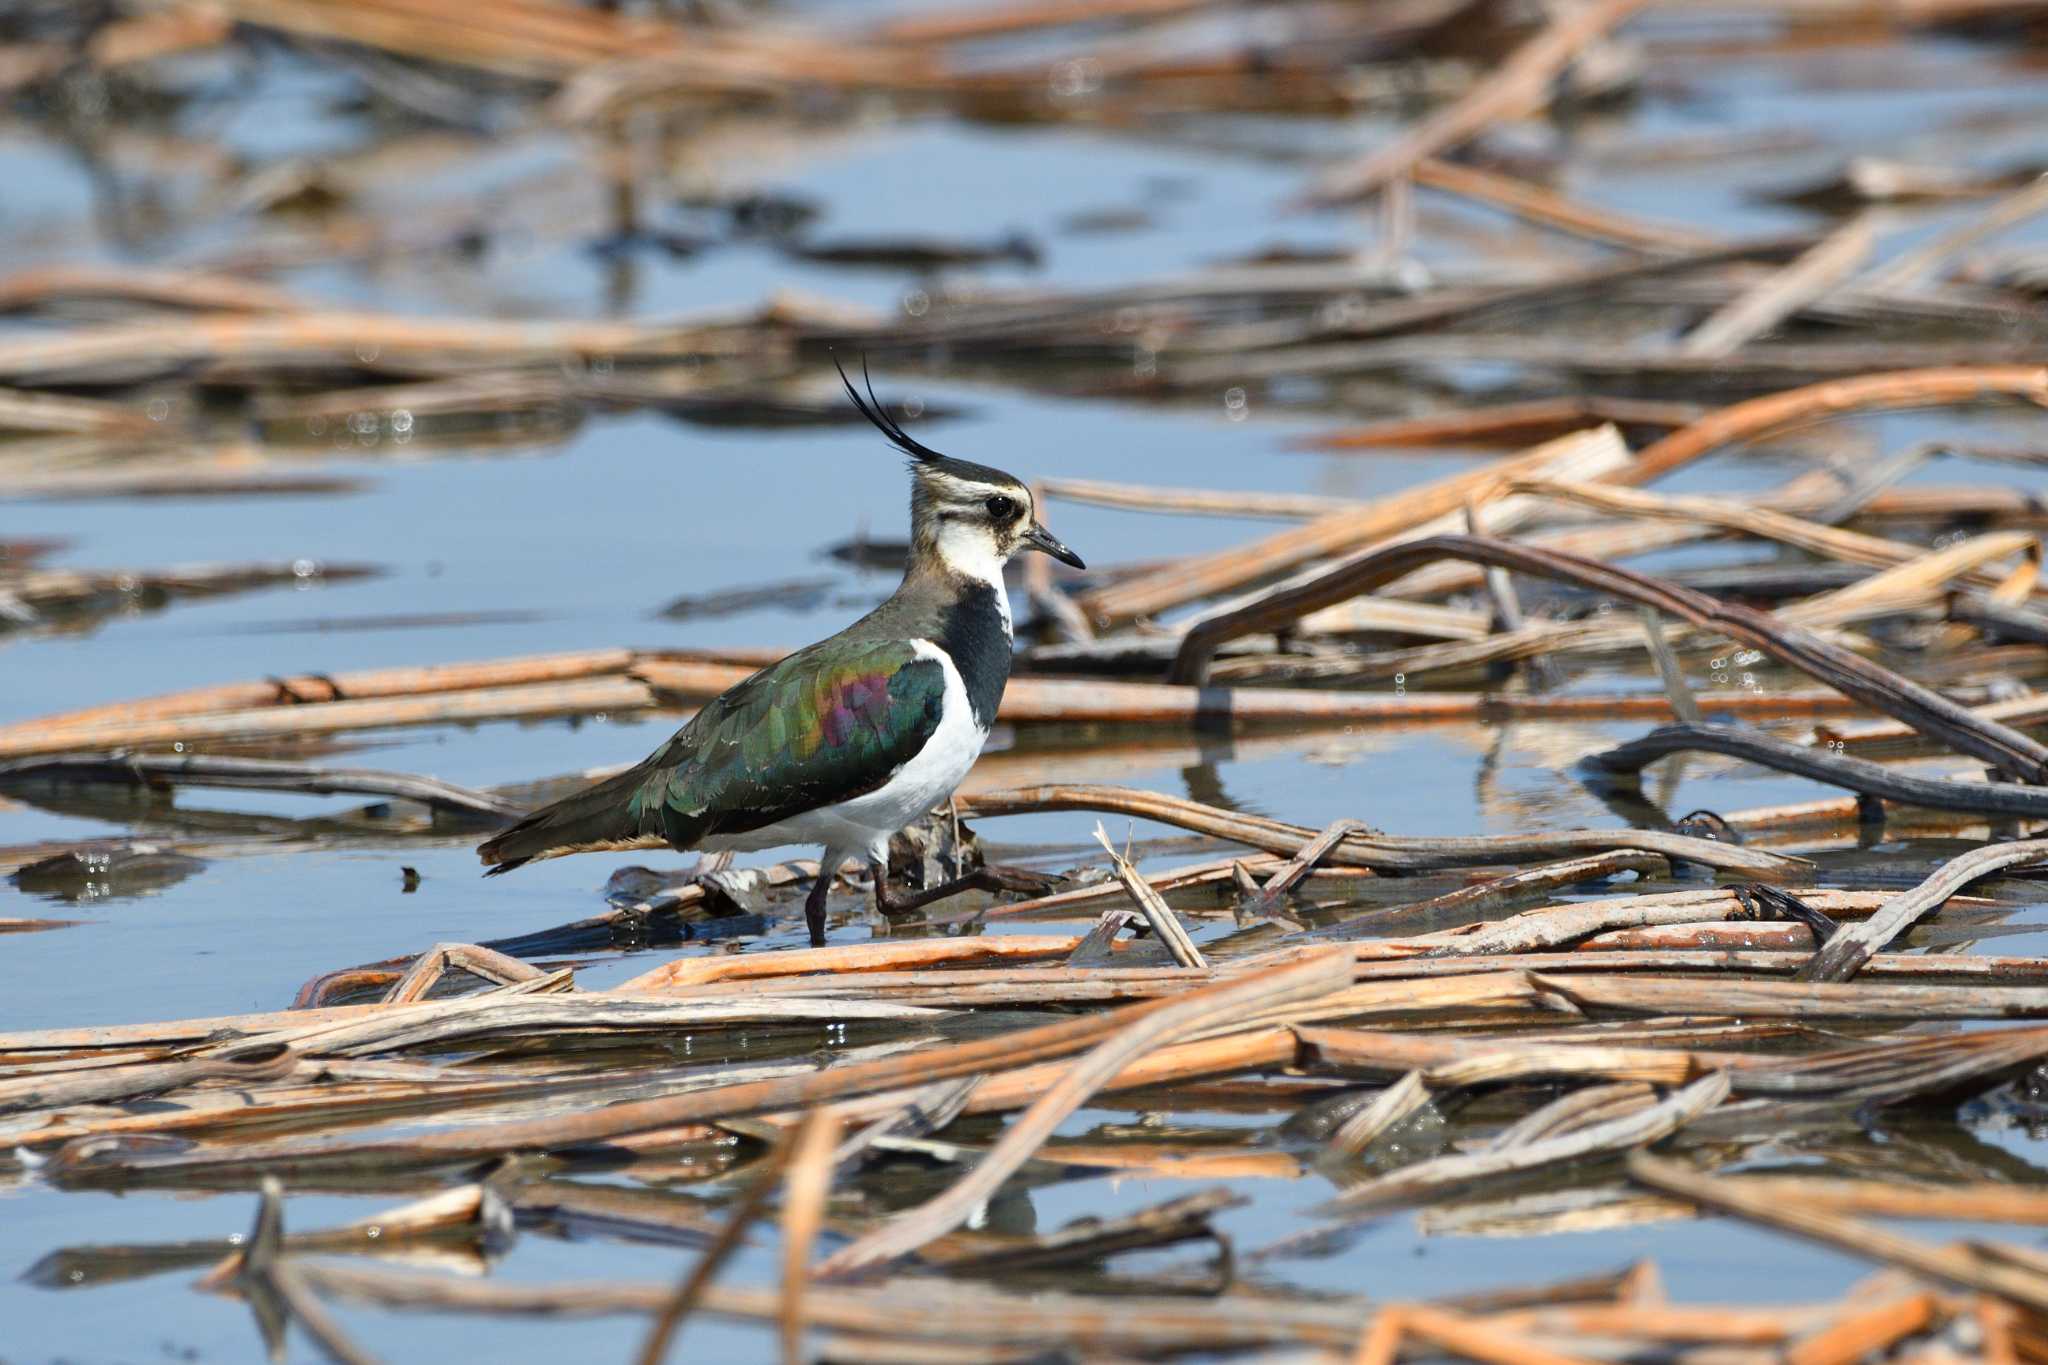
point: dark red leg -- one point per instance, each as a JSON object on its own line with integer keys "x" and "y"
{"x": 814, "y": 910}
{"x": 981, "y": 879}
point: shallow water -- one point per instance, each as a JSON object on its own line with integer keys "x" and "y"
{"x": 577, "y": 543}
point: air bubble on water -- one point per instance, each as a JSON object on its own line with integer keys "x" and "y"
{"x": 1236, "y": 405}
{"x": 913, "y": 408}
{"x": 368, "y": 351}
{"x": 178, "y": 747}
{"x": 917, "y": 303}
{"x": 159, "y": 409}
{"x": 305, "y": 568}
{"x": 373, "y": 1232}
{"x": 401, "y": 421}
{"x": 1076, "y": 79}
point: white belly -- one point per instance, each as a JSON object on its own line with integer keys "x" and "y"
{"x": 865, "y": 823}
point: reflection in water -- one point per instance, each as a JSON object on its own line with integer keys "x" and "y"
{"x": 557, "y": 505}
{"x": 111, "y": 870}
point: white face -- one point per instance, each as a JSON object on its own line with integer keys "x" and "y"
{"x": 975, "y": 527}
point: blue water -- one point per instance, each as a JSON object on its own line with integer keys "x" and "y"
{"x": 576, "y": 545}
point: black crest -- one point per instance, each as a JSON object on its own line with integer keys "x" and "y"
{"x": 877, "y": 412}
{"x": 874, "y": 410}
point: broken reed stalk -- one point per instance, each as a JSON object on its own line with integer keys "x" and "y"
{"x": 622, "y": 681}
{"x": 1504, "y": 424}
{"x": 1520, "y": 85}
{"x": 1300, "y": 865}
{"x": 1796, "y": 999}
{"x": 434, "y": 964}
{"x": 402, "y": 343}
{"x": 1459, "y": 1335}
{"x": 1166, "y": 925}
{"x": 1406, "y": 514}
{"x": 922, "y": 1309}
{"x": 1941, "y": 386}
{"x": 40, "y": 286}
{"x": 1537, "y": 204}
{"x": 1497, "y": 892}
{"x": 1190, "y": 501}
{"x": 130, "y": 1083}
{"x": 258, "y": 774}
{"x": 1909, "y": 268}
{"x": 1975, "y": 1202}
{"x": 1957, "y": 1265}
{"x": 1751, "y": 519}
{"x": 277, "y": 1294}
{"x": 1818, "y": 270}
{"x": 1837, "y": 770}
{"x": 1647, "y": 1126}
{"x": 1397, "y": 1103}
{"x": 1362, "y": 849}
{"x": 1320, "y": 975}
{"x": 1684, "y": 704}
{"x": 361, "y": 685}
{"x": 1876, "y": 686}
{"x": 1852, "y": 945}
{"x": 1860, "y": 1335}
{"x": 1873, "y": 1073}
{"x": 807, "y": 1183}
{"x": 638, "y": 1116}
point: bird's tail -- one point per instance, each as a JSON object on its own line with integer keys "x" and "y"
{"x": 598, "y": 817}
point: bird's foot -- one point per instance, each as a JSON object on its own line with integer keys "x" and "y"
{"x": 990, "y": 877}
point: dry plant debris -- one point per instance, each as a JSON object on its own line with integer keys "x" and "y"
{"x": 1668, "y": 1017}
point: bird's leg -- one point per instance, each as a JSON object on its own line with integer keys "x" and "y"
{"x": 892, "y": 905}
{"x": 814, "y": 909}
{"x": 829, "y": 863}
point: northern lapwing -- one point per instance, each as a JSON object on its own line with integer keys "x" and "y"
{"x": 848, "y": 740}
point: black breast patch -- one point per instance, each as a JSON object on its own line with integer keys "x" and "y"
{"x": 971, "y": 632}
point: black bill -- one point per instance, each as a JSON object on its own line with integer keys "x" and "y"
{"x": 1040, "y": 538}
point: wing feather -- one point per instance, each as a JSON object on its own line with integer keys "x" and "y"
{"x": 823, "y": 726}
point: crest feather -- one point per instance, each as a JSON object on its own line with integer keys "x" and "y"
{"x": 875, "y": 412}
{"x": 922, "y": 456}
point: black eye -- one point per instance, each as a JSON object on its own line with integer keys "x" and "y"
{"x": 1001, "y": 508}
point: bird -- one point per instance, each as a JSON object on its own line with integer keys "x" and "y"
{"x": 848, "y": 740}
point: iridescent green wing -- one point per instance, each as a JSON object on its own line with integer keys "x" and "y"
{"x": 827, "y": 724}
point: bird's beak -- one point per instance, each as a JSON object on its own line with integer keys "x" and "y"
{"x": 1038, "y": 538}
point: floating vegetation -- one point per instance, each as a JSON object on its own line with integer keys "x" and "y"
{"x": 1473, "y": 498}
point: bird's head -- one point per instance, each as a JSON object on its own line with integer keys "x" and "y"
{"x": 967, "y": 517}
